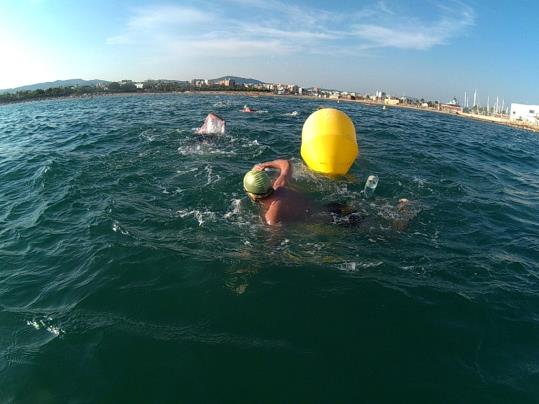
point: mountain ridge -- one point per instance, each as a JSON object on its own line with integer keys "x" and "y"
{"x": 54, "y": 84}
{"x": 94, "y": 82}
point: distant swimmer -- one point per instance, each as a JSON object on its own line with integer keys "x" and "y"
{"x": 282, "y": 204}
{"x": 213, "y": 125}
{"x": 247, "y": 109}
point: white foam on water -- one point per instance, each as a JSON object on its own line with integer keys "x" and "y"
{"x": 54, "y": 330}
{"x": 200, "y": 216}
{"x": 254, "y": 146}
{"x": 293, "y": 113}
{"x": 34, "y": 323}
{"x": 371, "y": 264}
{"x": 199, "y": 149}
{"x": 419, "y": 181}
{"x": 45, "y": 324}
{"x": 241, "y": 217}
{"x": 181, "y": 172}
{"x": 222, "y": 104}
{"x": 400, "y": 212}
{"x": 40, "y": 173}
{"x": 422, "y": 183}
{"x": 436, "y": 239}
{"x": 117, "y": 228}
{"x": 163, "y": 189}
{"x": 313, "y": 248}
{"x": 351, "y": 266}
{"x": 387, "y": 211}
{"x": 235, "y": 206}
{"x": 321, "y": 182}
{"x": 149, "y": 135}
{"x": 212, "y": 178}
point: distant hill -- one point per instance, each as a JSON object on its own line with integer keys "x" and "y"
{"x": 238, "y": 80}
{"x": 53, "y": 84}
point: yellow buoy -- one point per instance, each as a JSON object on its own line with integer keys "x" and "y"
{"x": 328, "y": 142}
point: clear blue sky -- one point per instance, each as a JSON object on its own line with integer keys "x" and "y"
{"x": 436, "y": 50}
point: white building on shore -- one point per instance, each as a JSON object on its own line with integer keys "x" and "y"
{"x": 527, "y": 113}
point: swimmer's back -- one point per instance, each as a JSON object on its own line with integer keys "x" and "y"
{"x": 285, "y": 205}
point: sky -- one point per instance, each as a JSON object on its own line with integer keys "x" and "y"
{"x": 422, "y": 48}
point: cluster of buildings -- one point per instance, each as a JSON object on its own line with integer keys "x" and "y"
{"x": 517, "y": 112}
{"x": 282, "y": 89}
{"x": 524, "y": 113}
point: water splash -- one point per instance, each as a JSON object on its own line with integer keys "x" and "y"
{"x": 46, "y": 323}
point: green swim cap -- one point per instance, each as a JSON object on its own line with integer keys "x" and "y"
{"x": 257, "y": 182}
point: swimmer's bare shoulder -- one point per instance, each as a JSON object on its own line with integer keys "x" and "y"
{"x": 286, "y": 205}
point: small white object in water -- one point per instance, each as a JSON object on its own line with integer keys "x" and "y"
{"x": 348, "y": 267}
{"x": 116, "y": 227}
{"x": 370, "y": 186}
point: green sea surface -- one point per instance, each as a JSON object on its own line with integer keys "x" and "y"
{"x": 134, "y": 269}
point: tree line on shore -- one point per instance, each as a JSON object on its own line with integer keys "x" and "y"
{"x": 112, "y": 88}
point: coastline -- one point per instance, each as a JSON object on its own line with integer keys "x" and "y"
{"x": 480, "y": 118}
{"x": 465, "y": 115}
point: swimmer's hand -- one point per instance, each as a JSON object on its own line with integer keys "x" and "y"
{"x": 285, "y": 171}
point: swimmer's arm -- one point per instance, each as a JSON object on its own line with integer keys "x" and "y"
{"x": 285, "y": 171}
{"x": 271, "y": 217}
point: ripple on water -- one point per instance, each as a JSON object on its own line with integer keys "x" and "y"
{"x": 126, "y": 239}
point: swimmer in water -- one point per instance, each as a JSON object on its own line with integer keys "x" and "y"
{"x": 279, "y": 202}
{"x": 282, "y": 204}
{"x": 213, "y": 125}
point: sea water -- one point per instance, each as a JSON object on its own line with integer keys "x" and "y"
{"x": 134, "y": 269}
